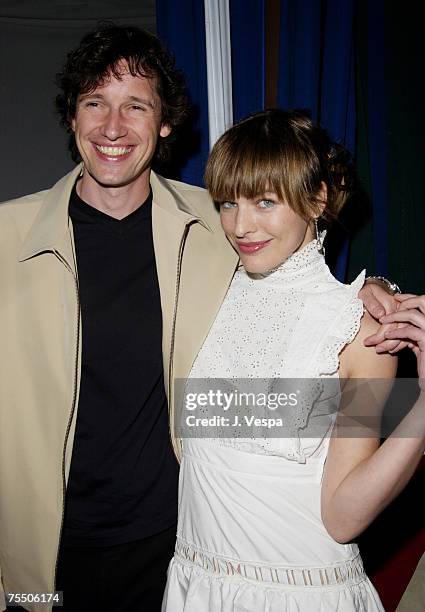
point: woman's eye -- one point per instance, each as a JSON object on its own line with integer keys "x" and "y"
{"x": 227, "y": 205}
{"x": 266, "y": 203}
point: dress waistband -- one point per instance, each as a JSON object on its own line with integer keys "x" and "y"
{"x": 344, "y": 572}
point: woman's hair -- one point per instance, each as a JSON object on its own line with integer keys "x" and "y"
{"x": 283, "y": 152}
{"x": 98, "y": 56}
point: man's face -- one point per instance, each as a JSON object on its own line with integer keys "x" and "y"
{"x": 117, "y": 127}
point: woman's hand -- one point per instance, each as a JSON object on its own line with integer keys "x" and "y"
{"x": 410, "y": 318}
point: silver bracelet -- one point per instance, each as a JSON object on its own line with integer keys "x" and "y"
{"x": 383, "y": 282}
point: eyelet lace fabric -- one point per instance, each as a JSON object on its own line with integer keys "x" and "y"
{"x": 290, "y": 323}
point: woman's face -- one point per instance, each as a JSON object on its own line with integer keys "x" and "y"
{"x": 264, "y": 230}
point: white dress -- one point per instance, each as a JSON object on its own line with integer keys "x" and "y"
{"x": 250, "y": 536}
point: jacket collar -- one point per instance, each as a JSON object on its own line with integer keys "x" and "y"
{"x": 168, "y": 198}
{"x": 50, "y": 230}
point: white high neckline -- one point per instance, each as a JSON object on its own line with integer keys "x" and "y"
{"x": 300, "y": 264}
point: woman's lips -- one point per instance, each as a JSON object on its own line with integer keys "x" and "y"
{"x": 252, "y": 247}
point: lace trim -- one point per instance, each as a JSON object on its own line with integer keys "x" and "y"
{"x": 326, "y": 358}
{"x": 344, "y": 332}
{"x": 344, "y": 572}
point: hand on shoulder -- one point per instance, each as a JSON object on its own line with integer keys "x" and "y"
{"x": 378, "y": 302}
{"x": 410, "y": 327}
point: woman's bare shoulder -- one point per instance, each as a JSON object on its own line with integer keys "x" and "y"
{"x": 360, "y": 361}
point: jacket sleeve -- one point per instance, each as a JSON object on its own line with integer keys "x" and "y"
{"x": 2, "y": 597}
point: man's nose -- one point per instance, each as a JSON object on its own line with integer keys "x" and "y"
{"x": 114, "y": 127}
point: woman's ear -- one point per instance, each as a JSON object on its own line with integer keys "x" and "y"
{"x": 321, "y": 198}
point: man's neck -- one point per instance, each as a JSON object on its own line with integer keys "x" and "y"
{"x": 117, "y": 202}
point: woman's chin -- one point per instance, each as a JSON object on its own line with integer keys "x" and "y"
{"x": 255, "y": 267}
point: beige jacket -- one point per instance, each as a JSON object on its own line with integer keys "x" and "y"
{"x": 40, "y": 331}
{"x": 413, "y": 599}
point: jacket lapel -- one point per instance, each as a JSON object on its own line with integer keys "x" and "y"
{"x": 199, "y": 282}
{"x": 50, "y": 230}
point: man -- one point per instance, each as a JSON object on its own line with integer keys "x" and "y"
{"x": 88, "y": 479}
{"x": 94, "y": 344}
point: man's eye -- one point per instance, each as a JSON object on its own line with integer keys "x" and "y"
{"x": 92, "y": 104}
{"x": 227, "y": 205}
{"x": 266, "y": 203}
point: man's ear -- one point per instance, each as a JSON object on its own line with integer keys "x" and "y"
{"x": 165, "y": 130}
{"x": 73, "y": 124}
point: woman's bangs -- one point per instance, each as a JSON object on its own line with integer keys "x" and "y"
{"x": 245, "y": 172}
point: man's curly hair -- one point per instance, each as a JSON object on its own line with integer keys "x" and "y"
{"x": 98, "y": 56}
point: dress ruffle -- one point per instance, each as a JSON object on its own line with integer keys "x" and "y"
{"x": 343, "y": 331}
{"x": 192, "y": 589}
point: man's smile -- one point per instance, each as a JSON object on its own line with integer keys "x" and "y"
{"x": 114, "y": 151}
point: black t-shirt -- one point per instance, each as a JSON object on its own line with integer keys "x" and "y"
{"x": 123, "y": 477}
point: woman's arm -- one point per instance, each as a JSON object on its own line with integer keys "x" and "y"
{"x": 361, "y": 476}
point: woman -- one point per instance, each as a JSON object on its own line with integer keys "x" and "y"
{"x": 268, "y": 523}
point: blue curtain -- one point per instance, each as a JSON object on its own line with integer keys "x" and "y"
{"x": 316, "y": 72}
{"x": 181, "y": 26}
{"x": 247, "y": 31}
{"x": 316, "y": 69}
